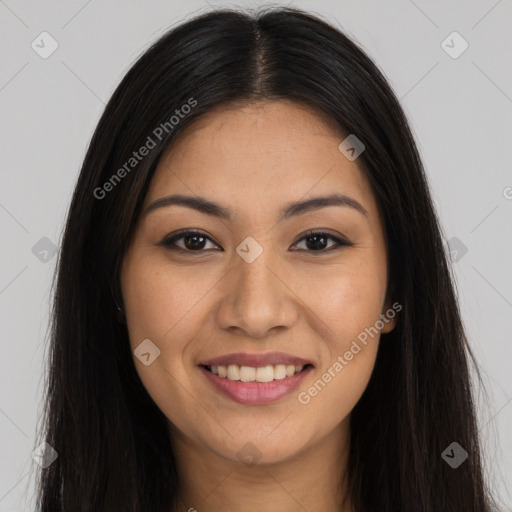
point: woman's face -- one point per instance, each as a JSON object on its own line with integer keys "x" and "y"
{"x": 253, "y": 289}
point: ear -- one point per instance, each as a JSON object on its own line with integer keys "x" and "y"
{"x": 389, "y": 314}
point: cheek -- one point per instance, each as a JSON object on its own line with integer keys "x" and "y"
{"x": 162, "y": 305}
{"x": 347, "y": 303}
{"x": 167, "y": 311}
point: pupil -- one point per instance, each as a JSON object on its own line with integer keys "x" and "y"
{"x": 315, "y": 244}
{"x": 194, "y": 244}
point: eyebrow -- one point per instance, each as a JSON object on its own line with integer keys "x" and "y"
{"x": 294, "y": 209}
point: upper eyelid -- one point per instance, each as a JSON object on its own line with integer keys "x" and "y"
{"x": 181, "y": 234}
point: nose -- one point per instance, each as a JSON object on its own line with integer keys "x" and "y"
{"x": 257, "y": 298}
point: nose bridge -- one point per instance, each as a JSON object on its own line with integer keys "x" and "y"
{"x": 255, "y": 279}
{"x": 257, "y": 299}
{"x": 255, "y": 282}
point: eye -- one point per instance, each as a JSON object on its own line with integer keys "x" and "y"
{"x": 195, "y": 241}
{"x": 318, "y": 239}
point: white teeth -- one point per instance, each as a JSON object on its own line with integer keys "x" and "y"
{"x": 265, "y": 374}
{"x": 233, "y": 372}
{"x": 260, "y": 374}
{"x": 279, "y": 371}
{"x": 247, "y": 374}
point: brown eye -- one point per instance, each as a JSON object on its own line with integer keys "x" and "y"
{"x": 316, "y": 241}
{"x": 193, "y": 241}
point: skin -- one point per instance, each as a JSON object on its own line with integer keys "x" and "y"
{"x": 308, "y": 302}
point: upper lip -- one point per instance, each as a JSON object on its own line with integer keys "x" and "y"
{"x": 255, "y": 360}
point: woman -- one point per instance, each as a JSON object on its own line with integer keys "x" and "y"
{"x": 254, "y": 308}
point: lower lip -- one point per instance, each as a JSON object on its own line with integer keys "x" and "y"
{"x": 255, "y": 393}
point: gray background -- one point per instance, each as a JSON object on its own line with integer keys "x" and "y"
{"x": 460, "y": 110}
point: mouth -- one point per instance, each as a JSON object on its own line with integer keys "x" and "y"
{"x": 268, "y": 373}
{"x": 259, "y": 384}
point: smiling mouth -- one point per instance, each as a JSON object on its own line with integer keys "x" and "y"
{"x": 260, "y": 374}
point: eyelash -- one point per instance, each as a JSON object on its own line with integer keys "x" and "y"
{"x": 170, "y": 242}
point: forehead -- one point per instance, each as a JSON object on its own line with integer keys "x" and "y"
{"x": 259, "y": 157}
